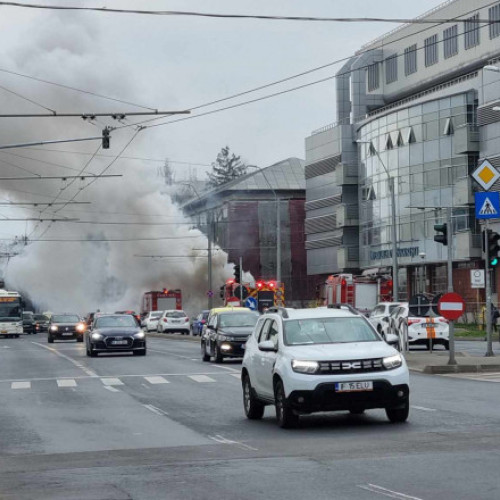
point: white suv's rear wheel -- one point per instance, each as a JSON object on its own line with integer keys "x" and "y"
{"x": 284, "y": 414}
{"x": 254, "y": 410}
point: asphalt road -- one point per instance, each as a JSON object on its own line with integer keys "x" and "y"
{"x": 170, "y": 426}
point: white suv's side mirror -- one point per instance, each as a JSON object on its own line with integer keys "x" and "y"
{"x": 267, "y": 346}
{"x": 392, "y": 339}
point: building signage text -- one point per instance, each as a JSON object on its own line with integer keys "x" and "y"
{"x": 401, "y": 252}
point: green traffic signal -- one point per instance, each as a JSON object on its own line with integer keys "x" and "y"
{"x": 493, "y": 248}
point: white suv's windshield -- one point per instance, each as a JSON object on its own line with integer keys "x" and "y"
{"x": 328, "y": 331}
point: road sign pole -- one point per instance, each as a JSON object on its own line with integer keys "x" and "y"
{"x": 489, "y": 344}
{"x": 451, "y": 340}
{"x": 241, "y": 280}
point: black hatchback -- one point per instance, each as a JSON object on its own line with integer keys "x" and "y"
{"x": 65, "y": 327}
{"x": 115, "y": 333}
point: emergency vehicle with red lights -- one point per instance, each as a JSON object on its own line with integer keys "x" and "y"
{"x": 360, "y": 292}
{"x": 161, "y": 301}
{"x": 266, "y": 293}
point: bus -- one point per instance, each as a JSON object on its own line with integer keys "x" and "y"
{"x": 11, "y": 314}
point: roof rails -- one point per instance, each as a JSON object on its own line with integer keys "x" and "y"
{"x": 278, "y": 310}
{"x": 341, "y": 305}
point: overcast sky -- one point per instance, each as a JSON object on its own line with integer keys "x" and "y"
{"x": 179, "y": 62}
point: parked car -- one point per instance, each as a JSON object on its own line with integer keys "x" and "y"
{"x": 41, "y": 322}
{"x": 150, "y": 321}
{"x": 199, "y": 321}
{"x": 28, "y": 322}
{"x": 172, "y": 321}
{"x": 65, "y": 327}
{"x": 115, "y": 333}
{"x": 420, "y": 330}
{"x": 226, "y": 333}
{"x": 311, "y": 360}
{"x": 381, "y": 310}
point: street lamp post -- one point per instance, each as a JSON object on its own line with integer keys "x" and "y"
{"x": 278, "y": 225}
{"x": 395, "y": 269}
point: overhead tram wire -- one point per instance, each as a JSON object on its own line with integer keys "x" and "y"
{"x": 26, "y": 99}
{"x": 108, "y": 10}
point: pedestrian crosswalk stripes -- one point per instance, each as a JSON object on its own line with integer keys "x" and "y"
{"x": 111, "y": 382}
{"x": 481, "y": 377}
{"x": 156, "y": 380}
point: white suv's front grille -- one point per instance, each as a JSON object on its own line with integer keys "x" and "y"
{"x": 350, "y": 366}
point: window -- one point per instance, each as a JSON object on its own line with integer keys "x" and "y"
{"x": 448, "y": 127}
{"x": 494, "y": 15}
{"x": 450, "y": 41}
{"x": 373, "y": 77}
{"x": 411, "y": 59}
{"x": 471, "y": 31}
{"x": 263, "y": 332}
{"x": 391, "y": 69}
{"x": 273, "y": 334}
{"x": 431, "y": 50}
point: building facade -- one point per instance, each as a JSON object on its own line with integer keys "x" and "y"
{"x": 245, "y": 224}
{"x": 418, "y": 106}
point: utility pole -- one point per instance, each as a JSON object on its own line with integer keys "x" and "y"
{"x": 210, "y": 233}
{"x": 278, "y": 242}
{"x": 489, "y": 346}
{"x": 451, "y": 360}
{"x": 241, "y": 279}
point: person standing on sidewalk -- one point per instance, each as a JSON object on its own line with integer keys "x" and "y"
{"x": 495, "y": 314}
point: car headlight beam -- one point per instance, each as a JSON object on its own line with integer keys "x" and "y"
{"x": 96, "y": 336}
{"x": 392, "y": 362}
{"x": 54, "y": 328}
{"x": 309, "y": 367}
{"x": 139, "y": 335}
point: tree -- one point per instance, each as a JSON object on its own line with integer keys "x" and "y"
{"x": 226, "y": 168}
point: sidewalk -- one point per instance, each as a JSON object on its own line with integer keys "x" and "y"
{"x": 437, "y": 362}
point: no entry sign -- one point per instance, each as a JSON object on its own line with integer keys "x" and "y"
{"x": 451, "y": 306}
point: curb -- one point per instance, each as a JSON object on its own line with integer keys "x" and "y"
{"x": 445, "y": 369}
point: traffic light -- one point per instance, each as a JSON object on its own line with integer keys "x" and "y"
{"x": 105, "y": 138}
{"x": 222, "y": 291}
{"x": 237, "y": 271}
{"x": 493, "y": 248}
{"x": 441, "y": 238}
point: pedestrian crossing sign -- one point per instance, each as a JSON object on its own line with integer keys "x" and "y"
{"x": 488, "y": 205}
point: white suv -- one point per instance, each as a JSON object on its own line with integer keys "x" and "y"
{"x": 326, "y": 359}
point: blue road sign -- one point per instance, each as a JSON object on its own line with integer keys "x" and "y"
{"x": 251, "y": 303}
{"x": 488, "y": 205}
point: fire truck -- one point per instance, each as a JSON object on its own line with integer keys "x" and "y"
{"x": 161, "y": 301}
{"x": 361, "y": 292}
{"x": 265, "y": 294}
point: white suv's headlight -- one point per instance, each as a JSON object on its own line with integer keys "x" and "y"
{"x": 305, "y": 366}
{"x": 393, "y": 361}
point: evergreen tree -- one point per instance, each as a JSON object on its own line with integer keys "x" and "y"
{"x": 226, "y": 168}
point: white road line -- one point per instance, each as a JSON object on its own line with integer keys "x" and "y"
{"x": 157, "y": 380}
{"x": 236, "y": 375}
{"x": 111, "y": 388}
{"x": 201, "y": 378}
{"x": 20, "y": 385}
{"x": 227, "y": 368}
{"x": 86, "y": 370}
{"x": 6, "y": 347}
{"x": 221, "y": 439}
{"x": 386, "y": 492}
{"x": 66, "y": 382}
{"x": 156, "y": 410}
{"x": 111, "y": 381}
{"x": 423, "y": 408}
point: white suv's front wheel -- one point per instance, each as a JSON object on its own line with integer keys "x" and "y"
{"x": 284, "y": 414}
{"x": 254, "y": 410}
{"x": 398, "y": 415}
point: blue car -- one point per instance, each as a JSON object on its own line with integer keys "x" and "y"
{"x": 199, "y": 321}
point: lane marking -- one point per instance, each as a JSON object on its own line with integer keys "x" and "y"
{"x": 422, "y": 408}
{"x": 6, "y": 347}
{"x": 156, "y": 410}
{"x": 235, "y": 375}
{"x": 386, "y": 492}
{"x": 109, "y": 381}
{"x": 86, "y": 370}
{"x": 201, "y": 378}
{"x": 157, "y": 380}
{"x": 66, "y": 382}
{"x": 20, "y": 385}
{"x": 111, "y": 388}
{"x": 222, "y": 440}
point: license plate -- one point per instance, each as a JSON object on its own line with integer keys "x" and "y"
{"x": 429, "y": 325}
{"x": 67, "y": 334}
{"x": 4, "y": 331}
{"x": 119, "y": 342}
{"x": 353, "y": 386}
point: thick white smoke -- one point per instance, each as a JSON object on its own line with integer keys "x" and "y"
{"x": 98, "y": 272}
